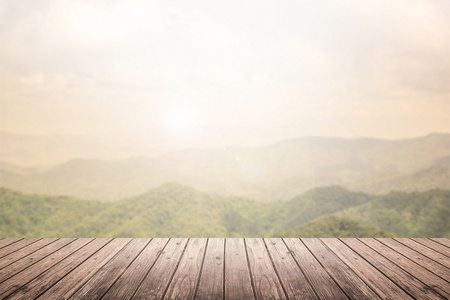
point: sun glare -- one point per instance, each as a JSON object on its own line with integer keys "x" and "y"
{"x": 179, "y": 121}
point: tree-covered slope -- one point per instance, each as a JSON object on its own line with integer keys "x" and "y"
{"x": 169, "y": 210}
{"x": 315, "y": 203}
{"x": 334, "y": 226}
{"x": 23, "y": 215}
{"x": 414, "y": 214}
{"x": 174, "y": 210}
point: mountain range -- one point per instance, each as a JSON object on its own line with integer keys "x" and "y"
{"x": 174, "y": 210}
{"x": 271, "y": 173}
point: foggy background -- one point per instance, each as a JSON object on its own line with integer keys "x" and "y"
{"x": 148, "y": 77}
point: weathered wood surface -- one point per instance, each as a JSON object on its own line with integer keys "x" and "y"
{"x": 199, "y": 268}
{"x": 211, "y": 281}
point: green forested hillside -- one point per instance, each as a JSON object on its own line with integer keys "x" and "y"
{"x": 170, "y": 210}
{"x": 334, "y": 226}
{"x": 24, "y": 215}
{"x": 174, "y": 210}
{"x": 407, "y": 214}
{"x": 316, "y": 203}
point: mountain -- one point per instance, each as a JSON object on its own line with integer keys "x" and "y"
{"x": 337, "y": 227}
{"x": 95, "y": 179}
{"x": 407, "y": 214}
{"x": 435, "y": 176}
{"x": 27, "y": 150}
{"x": 287, "y": 168}
{"x": 174, "y": 210}
{"x": 169, "y": 210}
{"x": 275, "y": 172}
{"x": 316, "y": 203}
{"x": 25, "y": 215}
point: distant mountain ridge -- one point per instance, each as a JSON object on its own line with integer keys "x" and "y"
{"x": 174, "y": 210}
{"x": 42, "y": 151}
{"x": 275, "y": 172}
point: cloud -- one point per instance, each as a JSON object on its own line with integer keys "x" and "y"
{"x": 246, "y": 67}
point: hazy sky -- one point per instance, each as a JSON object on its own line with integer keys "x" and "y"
{"x": 212, "y": 73}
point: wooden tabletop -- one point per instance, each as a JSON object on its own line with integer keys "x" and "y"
{"x": 181, "y": 268}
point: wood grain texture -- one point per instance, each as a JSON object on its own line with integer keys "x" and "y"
{"x": 349, "y": 282}
{"x": 406, "y": 281}
{"x": 324, "y": 286}
{"x": 434, "y": 245}
{"x": 11, "y": 248}
{"x": 102, "y": 280}
{"x": 8, "y": 241}
{"x": 41, "y": 283}
{"x": 128, "y": 283}
{"x": 64, "y": 288}
{"x": 158, "y": 279}
{"x": 291, "y": 276}
{"x": 212, "y": 275}
{"x": 224, "y": 268}
{"x": 33, "y": 258}
{"x": 430, "y": 253}
{"x": 445, "y": 242}
{"x": 265, "y": 280}
{"x": 418, "y": 258}
{"x": 13, "y": 283}
{"x": 21, "y": 253}
{"x": 185, "y": 279}
{"x": 377, "y": 281}
{"x": 238, "y": 284}
{"x": 432, "y": 280}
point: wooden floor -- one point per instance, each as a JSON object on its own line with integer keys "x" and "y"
{"x": 224, "y": 268}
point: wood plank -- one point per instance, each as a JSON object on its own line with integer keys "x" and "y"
{"x": 324, "y": 286}
{"x": 433, "y": 245}
{"x": 294, "y": 281}
{"x": 238, "y": 284}
{"x": 128, "y": 283}
{"x": 8, "y": 241}
{"x": 265, "y": 279}
{"x": 40, "y": 284}
{"x": 206, "y": 269}
{"x": 68, "y": 285}
{"x": 442, "y": 241}
{"x": 9, "y": 259}
{"x": 16, "y": 246}
{"x": 15, "y": 282}
{"x": 418, "y": 258}
{"x": 212, "y": 275}
{"x": 100, "y": 282}
{"x": 376, "y": 280}
{"x": 185, "y": 279}
{"x": 31, "y": 259}
{"x": 350, "y": 283}
{"x": 155, "y": 284}
{"x": 430, "y": 253}
{"x": 406, "y": 281}
{"x": 436, "y": 283}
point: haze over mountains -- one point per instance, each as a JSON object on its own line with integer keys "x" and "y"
{"x": 44, "y": 151}
{"x": 275, "y": 172}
